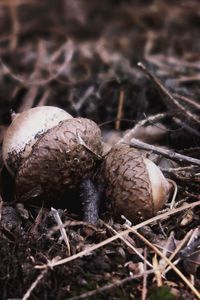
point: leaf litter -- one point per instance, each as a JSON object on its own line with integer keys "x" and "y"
{"x": 83, "y": 57}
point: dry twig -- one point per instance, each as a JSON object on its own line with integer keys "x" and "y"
{"x": 115, "y": 237}
{"x": 54, "y": 263}
{"x": 172, "y": 104}
{"x": 157, "y": 251}
{"x": 150, "y": 119}
{"x": 111, "y": 286}
{"x": 178, "y": 248}
{"x": 71, "y": 224}
{"x": 15, "y": 25}
{"x": 40, "y": 81}
{"x": 128, "y": 244}
{"x": 120, "y": 109}
{"x": 144, "y": 284}
{"x": 167, "y": 153}
{"x": 34, "y": 284}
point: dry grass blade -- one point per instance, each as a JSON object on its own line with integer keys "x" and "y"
{"x": 40, "y": 81}
{"x": 15, "y": 26}
{"x": 109, "y": 287}
{"x": 120, "y": 109}
{"x": 77, "y": 106}
{"x": 62, "y": 230}
{"x": 170, "y": 101}
{"x": 54, "y": 263}
{"x": 144, "y": 283}
{"x": 157, "y": 251}
{"x": 158, "y": 273}
{"x": 115, "y": 237}
{"x": 71, "y": 224}
{"x": 37, "y": 281}
{"x": 34, "y": 284}
{"x": 129, "y": 245}
{"x": 178, "y": 248}
{"x": 188, "y": 100}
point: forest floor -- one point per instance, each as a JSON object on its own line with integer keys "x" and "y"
{"x": 83, "y": 56}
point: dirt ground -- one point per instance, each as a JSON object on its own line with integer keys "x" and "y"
{"x": 82, "y": 56}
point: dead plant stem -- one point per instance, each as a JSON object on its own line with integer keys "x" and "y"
{"x": 115, "y": 237}
{"x": 157, "y": 251}
{"x": 167, "y": 153}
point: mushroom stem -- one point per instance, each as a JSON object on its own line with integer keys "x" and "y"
{"x": 90, "y": 201}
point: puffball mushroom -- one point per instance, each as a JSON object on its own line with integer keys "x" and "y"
{"x": 48, "y": 152}
{"x": 25, "y": 130}
{"x": 135, "y": 186}
{"x": 60, "y": 159}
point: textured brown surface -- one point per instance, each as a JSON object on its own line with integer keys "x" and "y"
{"x": 58, "y": 160}
{"x": 24, "y": 131}
{"x": 127, "y": 183}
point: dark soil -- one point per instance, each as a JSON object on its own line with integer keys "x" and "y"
{"x": 82, "y": 56}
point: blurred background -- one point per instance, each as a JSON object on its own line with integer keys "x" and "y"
{"x": 80, "y": 55}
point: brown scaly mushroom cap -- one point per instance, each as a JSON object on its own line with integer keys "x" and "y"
{"x": 134, "y": 184}
{"x": 24, "y": 131}
{"x": 59, "y": 160}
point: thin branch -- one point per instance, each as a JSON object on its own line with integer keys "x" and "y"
{"x": 150, "y": 119}
{"x": 120, "y": 109}
{"x": 167, "y": 153}
{"x": 169, "y": 100}
{"x": 34, "y": 284}
{"x": 111, "y": 286}
{"x": 77, "y": 106}
{"x": 186, "y": 127}
{"x": 38, "y": 279}
{"x": 188, "y": 100}
{"x": 40, "y": 81}
{"x": 15, "y": 25}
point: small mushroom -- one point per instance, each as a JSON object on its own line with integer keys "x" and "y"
{"x": 60, "y": 159}
{"x": 48, "y": 152}
{"x": 25, "y": 130}
{"x": 135, "y": 186}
